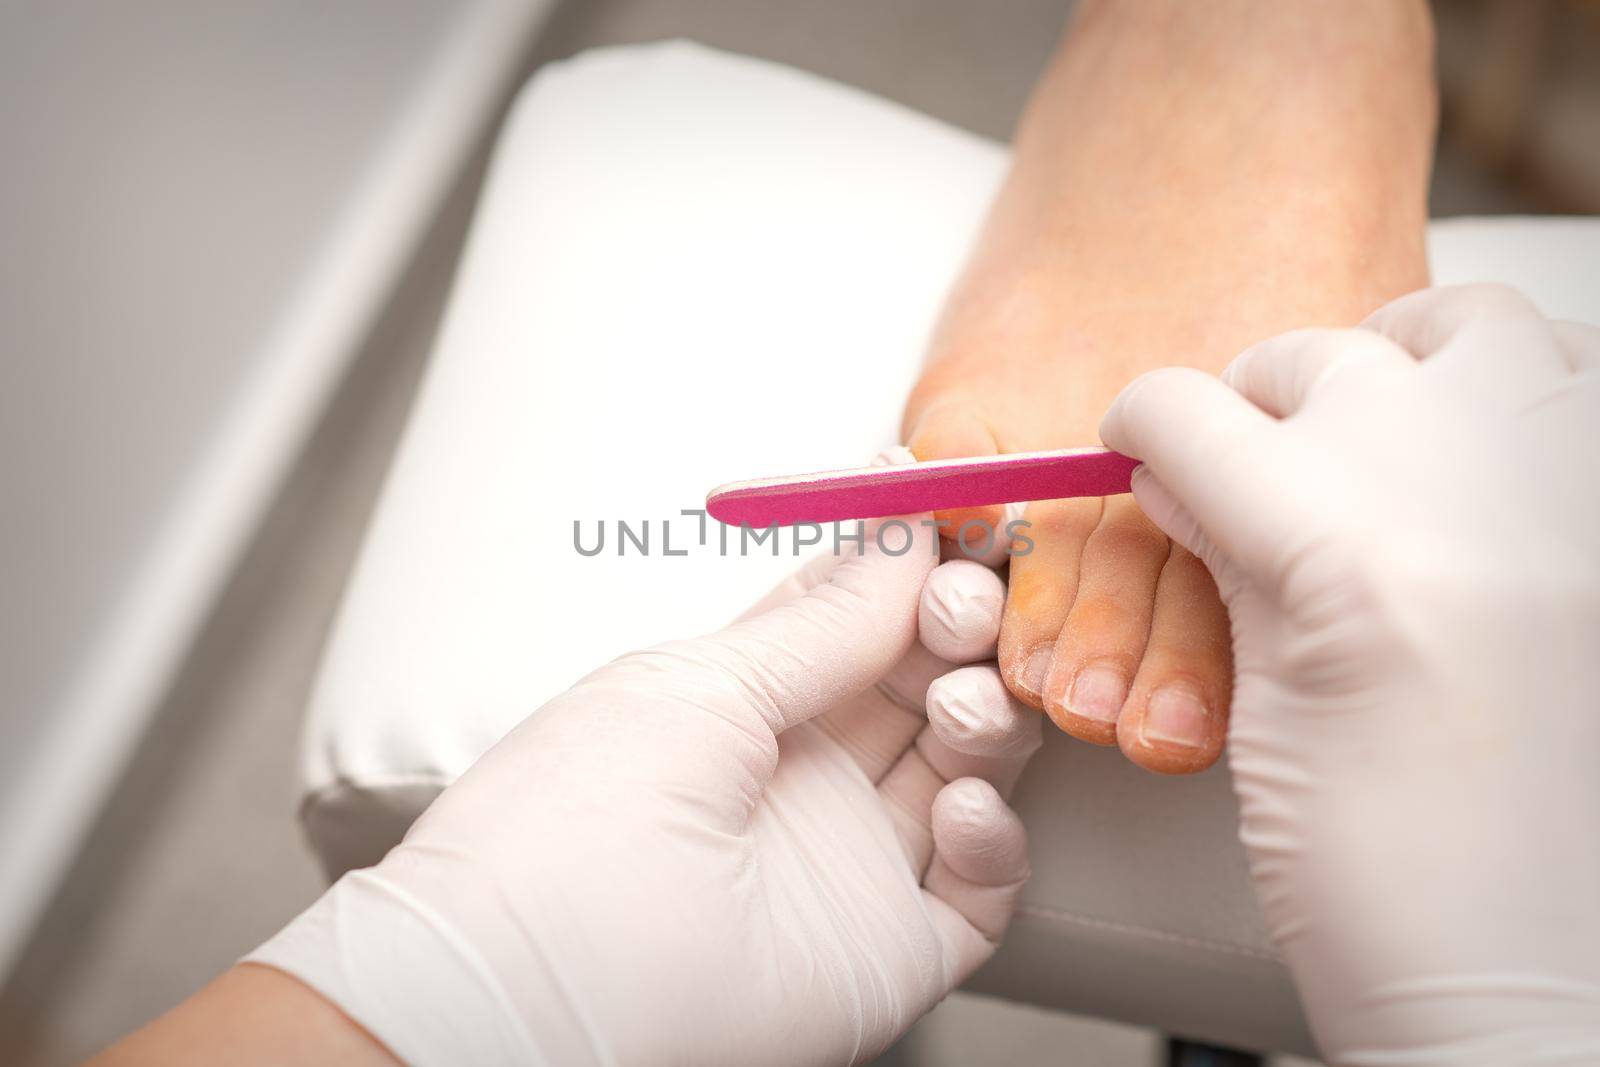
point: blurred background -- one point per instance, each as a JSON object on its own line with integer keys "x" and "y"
{"x": 228, "y": 230}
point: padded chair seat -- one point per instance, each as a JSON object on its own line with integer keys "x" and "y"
{"x": 689, "y": 267}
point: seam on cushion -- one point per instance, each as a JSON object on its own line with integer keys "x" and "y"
{"x": 1094, "y": 922}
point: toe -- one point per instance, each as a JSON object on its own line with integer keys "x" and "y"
{"x": 1104, "y": 636}
{"x": 1043, "y": 585}
{"x": 955, "y": 430}
{"x": 1176, "y": 718}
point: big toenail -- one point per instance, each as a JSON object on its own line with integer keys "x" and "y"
{"x": 1176, "y": 716}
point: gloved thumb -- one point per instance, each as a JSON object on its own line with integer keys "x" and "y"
{"x": 801, "y": 658}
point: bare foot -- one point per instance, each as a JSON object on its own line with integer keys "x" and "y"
{"x": 1188, "y": 179}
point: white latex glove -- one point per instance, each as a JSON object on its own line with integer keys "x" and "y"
{"x": 753, "y": 847}
{"x": 1404, "y": 520}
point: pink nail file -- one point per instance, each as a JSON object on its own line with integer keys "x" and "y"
{"x": 870, "y": 492}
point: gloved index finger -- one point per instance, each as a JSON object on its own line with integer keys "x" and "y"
{"x": 1220, "y": 457}
{"x": 959, "y": 615}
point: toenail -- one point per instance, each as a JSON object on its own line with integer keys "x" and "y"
{"x": 1098, "y": 693}
{"x": 1033, "y": 672}
{"x": 1175, "y": 716}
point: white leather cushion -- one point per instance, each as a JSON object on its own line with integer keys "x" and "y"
{"x": 690, "y": 267}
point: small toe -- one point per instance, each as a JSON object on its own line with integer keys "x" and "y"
{"x": 1176, "y": 718}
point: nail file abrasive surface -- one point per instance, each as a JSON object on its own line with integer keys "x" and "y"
{"x": 870, "y": 492}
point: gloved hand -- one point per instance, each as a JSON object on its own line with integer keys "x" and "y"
{"x": 753, "y": 847}
{"x": 1404, "y": 520}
